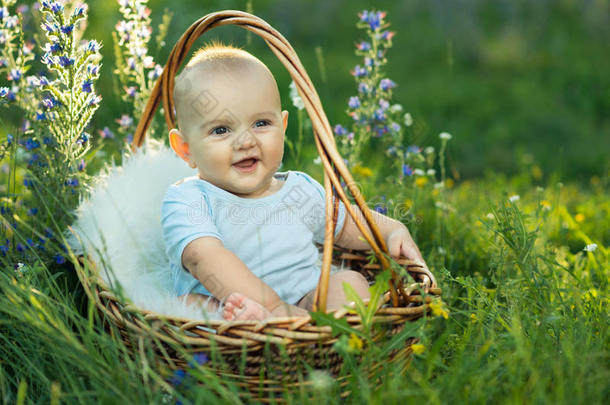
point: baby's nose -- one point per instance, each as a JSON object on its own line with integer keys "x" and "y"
{"x": 244, "y": 140}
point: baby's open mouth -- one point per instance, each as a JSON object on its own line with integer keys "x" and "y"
{"x": 246, "y": 164}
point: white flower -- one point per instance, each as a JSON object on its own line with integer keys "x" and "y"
{"x": 317, "y": 160}
{"x": 539, "y": 189}
{"x": 297, "y": 101}
{"x": 429, "y": 150}
{"x": 514, "y": 198}
{"x": 490, "y": 216}
{"x": 441, "y": 251}
{"x": 592, "y": 247}
{"x": 408, "y": 120}
{"x": 396, "y": 108}
{"x": 445, "y": 136}
{"x": 438, "y": 185}
{"x": 431, "y": 172}
{"x": 419, "y": 172}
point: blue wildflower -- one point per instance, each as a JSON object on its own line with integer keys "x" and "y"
{"x": 384, "y": 104}
{"x": 4, "y": 92}
{"x": 50, "y": 102}
{"x": 48, "y": 232}
{"x": 14, "y": 75}
{"x": 31, "y": 143}
{"x": 178, "y": 377}
{"x": 50, "y": 27}
{"x": 131, "y": 91}
{"x": 354, "y": 102}
{"x": 81, "y": 165}
{"x": 379, "y": 114}
{"x": 40, "y": 116}
{"x": 395, "y": 127}
{"x": 72, "y": 182}
{"x": 27, "y": 183}
{"x": 47, "y": 140}
{"x": 87, "y": 86}
{"x": 9, "y": 139}
{"x": 339, "y": 130}
{"x": 359, "y": 71}
{"x": 33, "y": 211}
{"x": 381, "y": 209}
{"x": 3, "y": 13}
{"x": 4, "y": 250}
{"x": 369, "y": 62}
{"x": 406, "y": 170}
{"x": 413, "y": 149}
{"x": 386, "y": 84}
{"x": 93, "y": 46}
{"x": 93, "y": 70}
{"x": 78, "y": 11}
{"x": 95, "y": 100}
{"x": 57, "y": 7}
{"x": 67, "y": 29}
{"x": 200, "y": 359}
{"x": 363, "y": 88}
{"x": 59, "y": 259}
{"x": 125, "y": 121}
{"x": 66, "y": 61}
{"x": 20, "y": 247}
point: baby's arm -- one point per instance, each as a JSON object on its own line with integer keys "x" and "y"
{"x": 221, "y": 272}
{"x": 395, "y": 233}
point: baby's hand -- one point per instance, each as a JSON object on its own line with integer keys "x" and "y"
{"x": 399, "y": 243}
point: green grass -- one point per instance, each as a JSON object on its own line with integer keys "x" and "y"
{"x": 528, "y": 315}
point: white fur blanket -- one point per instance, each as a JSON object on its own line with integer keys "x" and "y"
{"x": 119, "y": 227}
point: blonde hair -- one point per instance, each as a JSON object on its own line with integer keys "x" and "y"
{"x": 218, "y": 57}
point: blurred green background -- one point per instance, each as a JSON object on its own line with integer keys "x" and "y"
{"x": 521, "y": 85}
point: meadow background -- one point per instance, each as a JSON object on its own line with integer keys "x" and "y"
{"x": 514, "y": 220}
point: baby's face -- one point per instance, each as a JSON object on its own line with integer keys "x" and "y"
{"x": 235, "y": 128}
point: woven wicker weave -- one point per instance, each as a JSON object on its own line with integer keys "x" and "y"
{"x": 299, "y": 339}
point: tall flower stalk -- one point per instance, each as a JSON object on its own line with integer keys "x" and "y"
{"x": 136, "y": 70}
{"x": 52, "y": 142}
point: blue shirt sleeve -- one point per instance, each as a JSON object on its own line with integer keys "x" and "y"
{"x": 185, "y": 216}
{"x": 317, "y": 217}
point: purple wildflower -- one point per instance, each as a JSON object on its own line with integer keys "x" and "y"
{"x": 56, "y": 7}
{"x": 155, "y": 73}
{"x": 125, "y": 121}
{"x": 131, "y": 91}
{"x": 66, "y": 61}
{"x": 395, "y": 127}
{"x": 384, "y": 104}
{"x": 93, "y": 46}
{"x": 354, "y": 102}
{"x": 81, "y": 165}
{"x": 363, "y": 88}
{"x": 93, "y": 70}
{"x": 386, "y": 84}
{"x": 32, "y": 211}
{"x": 106, "y": 133}
{"x": 363, "y": 46}
{"x": 59, "y": 259}
{"x": 50, "y": 102}
{"x": 406, "y": 170}
{"x": 379, "y": 114}
{"x": 14, "y": 75}
{"x": 359, "y": 71}
{"x": 79, "y": 11}
{"x": 67, "y": 29}
{"x": 339, "y": 130}
{"x": 369, "y": 61}
{"x": 87, "y": 86}
{"x": 380, "y": 208}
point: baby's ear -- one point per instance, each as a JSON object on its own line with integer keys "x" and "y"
{"x": 285, "y": 119}
{"x": 180, "y": 146}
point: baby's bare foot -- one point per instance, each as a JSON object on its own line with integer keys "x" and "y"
{"x": 239, "y": 307}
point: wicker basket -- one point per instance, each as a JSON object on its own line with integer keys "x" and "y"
{"x": 298, "y": 339}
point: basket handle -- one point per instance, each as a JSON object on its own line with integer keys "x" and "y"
{"x": 335, "y": 169}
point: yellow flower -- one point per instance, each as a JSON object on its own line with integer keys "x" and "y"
{"x": 421, "y": 181}
{"x": 449, "y": 183}
{"x": 478, "y": 224}
{"x": 408, "y": 204}
{"x": 438, "y": 309}
{"x": 545, "y": 205}
{"x": 362, "y": 171}
{"x": 473, "y": 317}
{"x": 418, "y": 348}
{"x": 579, "y": 217}
{"x": 354, "y": 342}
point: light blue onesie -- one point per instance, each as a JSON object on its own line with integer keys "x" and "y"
{"x": 272, "y": 235}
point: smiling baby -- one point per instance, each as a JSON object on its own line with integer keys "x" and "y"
{"x": 240, "y": 232}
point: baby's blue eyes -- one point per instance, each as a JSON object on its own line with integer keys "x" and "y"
{"x": 224, "y": 130}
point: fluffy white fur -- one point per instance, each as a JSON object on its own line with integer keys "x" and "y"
{"x": 119, "y": 227}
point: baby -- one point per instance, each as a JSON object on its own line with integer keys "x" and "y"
{"x": 240, "y": 231}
